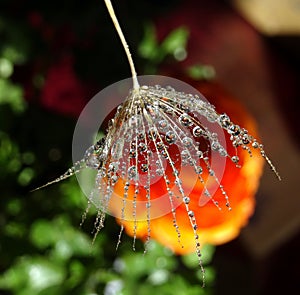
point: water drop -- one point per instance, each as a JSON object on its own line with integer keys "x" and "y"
{"x": 114, "y": 179}
{"x": 235, "y": 159}
{"x": 163, "y": 124}
{"x": 142, "y": 147}
{"x": 198, "y": 169}
{"x": 159, "y": 172}
{"x": 185, "y": 120}
{"x": 246, "y": 139}
{"x": 215, "y": 146}
{"x": 144, "y": 167}
{"x": 170, "y": 137}
{"x": 132, "y": 153}
{"x": 91, "y": 158}
{"x": 152, "y": 134}
{"x": 199, "y": 154}
{"x": 132, "y": 173}
{"x": 198, "y": 131}
{"x": 187, "y": 141}
{"x": 113, "y": 166}
{"x": 141, "y": 136}
{"x": 102, "y": 172}
{"x": 191, "y": 213}
{"x": 222, "y": 152}
{"x": 164, "y": 154}
{"x": 234, "y": 130}
{"x": 224, "y": 120}
{"x": 185, "y": 154}
{"x": 178, "y": 181}
{"x": 160, "y": 145}
{"x": 186, "y": 200}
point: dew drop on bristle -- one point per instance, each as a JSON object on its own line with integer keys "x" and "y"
{"x": 170, "y": 137}
{"x": 185, "y": 120}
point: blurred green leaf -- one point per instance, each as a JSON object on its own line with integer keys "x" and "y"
{"x": 154, "y": 53}
{"x": 10, "y": 159}
{"x": 201, "y": 72}
{"x": 74, "y": 198}
{"x": 65, "y": 240}
{"x": 156, "y": 257}
{"x": 175, "y": 285}
{"x": 76, "y": 273}
{"x": 6, "y": 68}
{"x": 12, "y": 95}
{"x": 191, "y": 260}
{"x": 30, "y": 275}
{"x": 176, "y": 40}
{"x": 25, "y": 176}
{"x": 28, "y": 158}
{"x": 15, "y": 229}
{"x": 15, "y": 53}
{"x": 148, "y": 47}
{"x": 159, "y": 276}
{"x": 14, "y": 206}
{"x": 42, "y": 234}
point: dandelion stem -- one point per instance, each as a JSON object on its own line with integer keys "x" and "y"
{"x": 112, "y": 14}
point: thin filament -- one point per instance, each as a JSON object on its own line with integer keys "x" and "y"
{"x": 112, "y": 14}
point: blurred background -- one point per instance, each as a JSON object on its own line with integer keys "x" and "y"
{"x": 55, "y": 55}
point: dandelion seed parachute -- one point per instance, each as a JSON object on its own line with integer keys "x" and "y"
{"x": 160, "y": 146}
{"x": 158, "y": 138}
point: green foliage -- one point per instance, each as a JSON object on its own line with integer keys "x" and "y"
{"x": 154, "y": 53}
{"x": 33, "y": 274}
{"x": 11, "y": 94}
{"x": 201, "y": 72}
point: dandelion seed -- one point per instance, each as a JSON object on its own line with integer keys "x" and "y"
{"x": 136, "y": 168}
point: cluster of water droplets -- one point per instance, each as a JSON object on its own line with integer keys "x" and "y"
{"x": 157, "y": 140}
{"x": 154, "y": 136}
